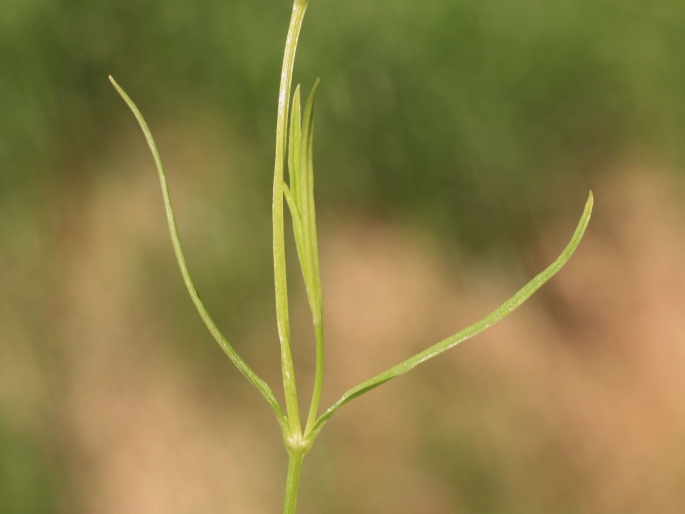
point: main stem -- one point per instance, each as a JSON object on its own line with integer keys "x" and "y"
{"x": 293, "y": 437}
{"x": 299, "y": 8}
{"x": 293, "y": 482}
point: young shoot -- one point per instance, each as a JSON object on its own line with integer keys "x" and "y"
{"x": 294, "y": 131}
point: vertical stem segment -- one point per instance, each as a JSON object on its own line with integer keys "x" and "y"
{"x": 299, "y": 9}
{"x": 291, "y": 485}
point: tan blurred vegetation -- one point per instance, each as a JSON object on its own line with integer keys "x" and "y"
{"x": 456, "y": 141}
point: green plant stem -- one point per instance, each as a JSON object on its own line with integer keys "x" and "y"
{"x": 293, "y": 482}
{"x": 299, "y": 8}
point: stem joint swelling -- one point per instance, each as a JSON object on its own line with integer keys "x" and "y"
{"x": 297, "y": 444}
{"x": 295, "y": 140}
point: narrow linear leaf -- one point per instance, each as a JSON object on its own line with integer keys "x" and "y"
{"x": 294, "y": 138}
{"x": 298, "y": 229}
{"x": 251, "y": 376}
{"x": 307, "y": 205}
{"x": 306, "y": 162}
{"x": 300, "y": 199}
{"x": 313, "y": 279}
{"x": 505, "y": 309}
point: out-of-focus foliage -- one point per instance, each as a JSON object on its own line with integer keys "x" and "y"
{"x": 26, "y": 484}
{"x": 475, "y": 119}
{"x": 457, "y": 111}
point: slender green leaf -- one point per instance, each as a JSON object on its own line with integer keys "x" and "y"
{"x": 506, "y": 308}
{"x": 294, "y": 138}
{"x": 311, "y": 242}
{"x": 307, "y": 205}
{"x": 298, "y": 229}
{"x": 251, "y": 376}
{"x": 300, "y": 198}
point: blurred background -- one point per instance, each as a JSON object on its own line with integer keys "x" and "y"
{"x": 456, "y": 141}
